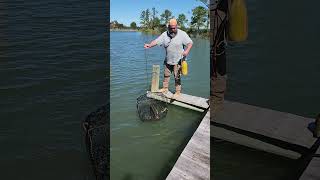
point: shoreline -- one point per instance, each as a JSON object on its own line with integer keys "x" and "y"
{"x": 124, "y": 30}
{"x": 154, "y": 33}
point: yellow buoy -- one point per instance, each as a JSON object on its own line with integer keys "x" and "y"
{"x": 238, "y": 22}
{"x": 184, "y": 67}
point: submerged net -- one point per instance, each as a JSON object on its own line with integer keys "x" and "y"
{"x": 149, "y": 109}
{"x": 97, "y": 141}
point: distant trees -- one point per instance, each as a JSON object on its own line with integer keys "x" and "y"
{"x": 143, "y": 19}
{"x": 199, "y": 17}
{"x": 205, "y": 2}
{"x": 116, "y": 25}
{"x": 151, "y": 22}
{"x": 133, "y": 25}
{"x": 166, "y": 16}
{"x": 182, "y": 20}
{"x": 155, "y": 21}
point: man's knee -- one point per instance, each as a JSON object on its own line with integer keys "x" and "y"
{"x": 177, "y": 81}
{"x": 219, "y": 83}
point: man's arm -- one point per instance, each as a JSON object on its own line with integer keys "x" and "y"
{"x": 188, "y": 42}
{"x": 155, "y": 42}
{"x": 187, "y": 50}
{"x": 150, "y": 45}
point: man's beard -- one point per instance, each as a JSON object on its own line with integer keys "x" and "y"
{"x": 172, "y": 34}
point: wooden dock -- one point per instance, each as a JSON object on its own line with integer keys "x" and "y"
{"x": 194, "y": 161}
{"x": 312, "y": 170}
{"x": 272, "y": 131}
{"x": 184, "y": 100}
{"x": 264, "y": 129}
{"x": 268, "y": 130}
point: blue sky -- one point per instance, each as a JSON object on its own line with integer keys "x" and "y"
{"x": 127, "y": 11}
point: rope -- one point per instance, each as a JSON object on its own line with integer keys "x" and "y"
{"x": 145, "y": 40}
{"x": 219, "y": 33}
{"x": 146, "y": 61}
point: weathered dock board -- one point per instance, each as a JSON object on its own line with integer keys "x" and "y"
{"x": 194, "y": 161}
{"x": 184, "y": 100}
{"x": 237, "y": 138}
{"x": 312, "y": 172}
{"x": 264, "y": 129}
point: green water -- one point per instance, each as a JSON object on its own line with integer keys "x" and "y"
{"x": 53, "y": 63}
{"x": 231, "y": 161}
{"x": 148, "y": 150}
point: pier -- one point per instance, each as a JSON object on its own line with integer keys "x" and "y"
{"x": 184, "y": 100}
{"x": 264, "y": 129}
{"x": 194, "y": 161}
{"x": 312, "y": 170}
{"x": 272, "y": 131}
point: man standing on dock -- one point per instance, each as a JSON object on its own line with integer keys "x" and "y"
{"x": 218, "y": 10}
{"x": 174, "y": 40}
{"x": 229, "y": 22}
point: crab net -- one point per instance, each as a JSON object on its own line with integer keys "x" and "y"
{"x": 96, "y": 131}
{"x": 149, "y": 109}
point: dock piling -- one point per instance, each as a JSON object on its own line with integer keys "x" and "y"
{"x": 155, "y": 78}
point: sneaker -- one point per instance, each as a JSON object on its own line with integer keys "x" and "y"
{"x": 176, "y": 95}
{"x": 164, "y": 90}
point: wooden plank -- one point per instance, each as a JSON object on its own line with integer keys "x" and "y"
{"x": 184, "y": 100}
{"x": 284, "y": 126}
{"x": 194, "y": 161}
{"x": 155, "y": 78}
{"x": 312, "y": 171}
{"x": 269, "y": 123}
{"x": 161, "y": 97}
{"x": 237, "y": 138}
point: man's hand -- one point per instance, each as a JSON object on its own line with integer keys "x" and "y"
{"x": 185, "y": 53}
{"x": 147, "y": 46}
{"x": 153, "y": 43}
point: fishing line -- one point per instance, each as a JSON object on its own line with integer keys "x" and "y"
{"x": 146, "y": 62}
{"x": 149, "y": 109}
{"x": 145, "y": 40}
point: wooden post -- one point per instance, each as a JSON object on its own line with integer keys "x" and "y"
{"x": 155, "y": 78}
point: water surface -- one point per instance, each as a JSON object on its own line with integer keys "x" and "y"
{"x": 52, "y": 69}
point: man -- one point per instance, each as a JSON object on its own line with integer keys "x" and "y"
{"x": 174, "y": 40}
{"x": 218, "y": 74}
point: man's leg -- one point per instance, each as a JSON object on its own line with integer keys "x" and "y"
{"x": 177, "y": 78}
{"x": 218, "y": 58}
{"x": 166, "y": 78}
{"x": 220, "y": 81}
{"x": 218, "y": 89}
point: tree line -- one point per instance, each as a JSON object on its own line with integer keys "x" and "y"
{"x": 199, "y": 22}
{"x": 153, "y": 22}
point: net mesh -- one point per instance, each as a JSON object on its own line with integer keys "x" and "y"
{"x": 97, "y": 139}
{"x": 149, "y": 109}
